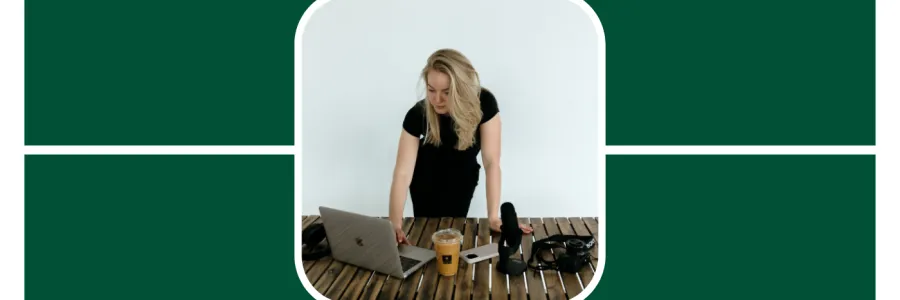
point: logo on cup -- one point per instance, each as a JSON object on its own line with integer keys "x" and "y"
{"x": 447, "y": 259}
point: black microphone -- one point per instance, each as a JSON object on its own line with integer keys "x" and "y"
{"x": 510, "y": 238}
{"x": 510, "y": 229}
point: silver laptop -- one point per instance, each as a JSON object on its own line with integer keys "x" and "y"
{"x": 369, "y": 242}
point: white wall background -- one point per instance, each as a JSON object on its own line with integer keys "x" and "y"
{"x": 360, "y": 65}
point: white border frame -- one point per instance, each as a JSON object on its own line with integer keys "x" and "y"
{"x": 12, "y": 235}
{"x": 12, "y": 162}
{"x": 887, "y": 159}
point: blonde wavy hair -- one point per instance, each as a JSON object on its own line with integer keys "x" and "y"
{"x": 464, "y": 97}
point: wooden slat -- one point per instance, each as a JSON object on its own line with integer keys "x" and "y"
{"x": 410, "y": 285}
{"x": 392, "y": 284}
{"x": 464, "y": 277}
{"x": 498, "y": 280}
{"x": 446, "y": 284}
{"x": 517, "y": 289}
{"x": 586, "y": 273}
{"x": 533, "y": 279}
{"x": 570, "y": 280}
{"x": 328, "y": 276}
{"x": 357, "y": 284}
{"x": 551, "y": 277}
{"x": 481, "y": 289}
{"x": 341, "y": 282}
{"x": 373, "y": 287}
{"x": 318, "y": 269}
{"x": 308, "y": 220}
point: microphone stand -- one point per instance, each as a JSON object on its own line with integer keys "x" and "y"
{"x": 510, "y": 238}
{"x": 506, "y": 264}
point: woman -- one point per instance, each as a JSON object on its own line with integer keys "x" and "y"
{"x": 441, "y": 137}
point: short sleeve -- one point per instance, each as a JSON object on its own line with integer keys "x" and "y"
{"x": 414, "y": 120}
{"x": 489, "y": 106}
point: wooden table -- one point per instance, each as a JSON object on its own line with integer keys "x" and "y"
{"x": 481, "y": 280}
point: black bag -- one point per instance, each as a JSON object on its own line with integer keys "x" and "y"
{"x": 312, "y": 238}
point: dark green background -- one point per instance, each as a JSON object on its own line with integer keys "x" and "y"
{"x": 160, "y": 227}
{"x": 678, "y": 227}
{"x": 739, "y": 72}
{"x": 740, "y": 227}
{"x": 221, "y": 73}
{"x": 678, "y": 72}
{"x": 160, "y": 72}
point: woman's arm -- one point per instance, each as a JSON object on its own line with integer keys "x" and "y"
{"x": 403, "y": 173}
{"x": 490, "y": 154}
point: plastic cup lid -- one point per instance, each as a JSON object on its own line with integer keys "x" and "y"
{"x": 456, "y": 236}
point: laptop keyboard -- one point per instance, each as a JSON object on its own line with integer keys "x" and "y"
{"x": 407, "y": 262}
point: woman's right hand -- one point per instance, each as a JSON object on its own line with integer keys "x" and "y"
{"x": 401, "y": 236}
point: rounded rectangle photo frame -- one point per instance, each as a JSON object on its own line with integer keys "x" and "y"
{"x": 329, "y": 94}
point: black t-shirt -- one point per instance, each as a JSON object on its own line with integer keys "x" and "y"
{"x": 445, "y": 166}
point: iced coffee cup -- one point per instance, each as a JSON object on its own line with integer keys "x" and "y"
{"x": 446, "y": 247}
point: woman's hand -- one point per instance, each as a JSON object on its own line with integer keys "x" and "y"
{"x": 401, "y": 236}
{"x": 497, "y": 224}
{"x": 526, "y": 229}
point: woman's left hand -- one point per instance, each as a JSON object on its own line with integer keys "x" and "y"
{"x": 496, "y": 225}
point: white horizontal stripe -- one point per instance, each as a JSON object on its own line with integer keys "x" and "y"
{"x": 160, "y": 150}
{"x": 738, "y": 150}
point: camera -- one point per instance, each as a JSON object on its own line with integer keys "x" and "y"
{"x": 572, "y": 260}
{"x": 577, "y": 255}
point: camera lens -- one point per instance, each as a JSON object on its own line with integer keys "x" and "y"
{"x": 575, "y": 247}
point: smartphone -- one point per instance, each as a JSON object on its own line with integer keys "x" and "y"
{"x": 480, "y": 253}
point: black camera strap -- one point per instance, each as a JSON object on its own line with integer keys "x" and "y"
{"x": 553, "y": 242}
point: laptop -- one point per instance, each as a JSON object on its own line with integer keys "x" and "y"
{"x": 369, "y": 242}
